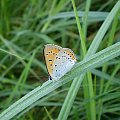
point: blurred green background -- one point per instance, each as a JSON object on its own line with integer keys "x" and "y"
{"x": 28, "y": 25}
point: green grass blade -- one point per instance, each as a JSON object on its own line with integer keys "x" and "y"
{"x": 98, "y": 38}
{"x": 93, "y": 16}
{"x": 105, "y": 67}
{"x": 8, "y": 52}
{"x": 106, "y": 76}
{"x": 85, "y": 17}
{"x": 22, "y": 79}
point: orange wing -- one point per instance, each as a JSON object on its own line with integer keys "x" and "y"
{"x": 50, "y": 52}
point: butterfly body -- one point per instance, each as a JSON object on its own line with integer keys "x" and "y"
{"x": 58, "y": 60}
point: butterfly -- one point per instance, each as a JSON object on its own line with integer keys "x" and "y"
{"x": 58, "y": 60}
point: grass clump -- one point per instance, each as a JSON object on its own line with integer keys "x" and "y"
{"x": 90, "y": 90}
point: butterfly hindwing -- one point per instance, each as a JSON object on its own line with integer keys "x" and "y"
{"x": 63, "y": 62}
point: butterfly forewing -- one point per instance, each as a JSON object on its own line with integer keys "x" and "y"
{"x": 50, "y": 52}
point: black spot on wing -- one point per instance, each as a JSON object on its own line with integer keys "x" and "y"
{"x": 50, "y": 60}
